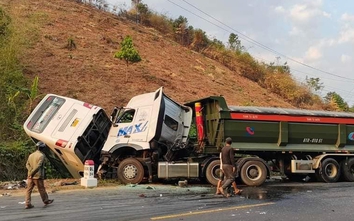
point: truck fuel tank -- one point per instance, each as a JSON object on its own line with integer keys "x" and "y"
{"x": 178, "y": 170}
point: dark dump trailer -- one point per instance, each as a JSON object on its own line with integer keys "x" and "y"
{"x": 292, "y": 143}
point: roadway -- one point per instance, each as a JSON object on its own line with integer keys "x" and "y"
{"x": 272, "y": 201}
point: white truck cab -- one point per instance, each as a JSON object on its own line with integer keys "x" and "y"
{"x": 148, "y": 117}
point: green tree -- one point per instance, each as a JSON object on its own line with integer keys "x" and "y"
{"x": 218, "y": 44}
{"x": 200, "y": 40}
{"x": 314, "y": 83}
{"x": 179, "y": 21}
{"x": 143, "y": 11}
{"x": 128, "y": 53}
{"x": 180, "y": 28}
{"x": 11, "y": 78}
{"x": 336, "y": 101}
{"x": 235, "y": 43}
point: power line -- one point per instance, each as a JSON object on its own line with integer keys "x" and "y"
{"x": 254, "y": 41}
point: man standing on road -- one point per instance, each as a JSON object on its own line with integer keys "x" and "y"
{"x": 228, "y": 166}
{"x": 222, "y": 177}
{"x": 35, "y": 167}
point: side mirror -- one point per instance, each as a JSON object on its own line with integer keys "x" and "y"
{"x": 114, "y": 114}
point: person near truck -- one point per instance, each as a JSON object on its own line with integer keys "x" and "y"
{"x": 35, "y": 176}
{"x": 228, "y": 166}
{"x": 222, "y": 177}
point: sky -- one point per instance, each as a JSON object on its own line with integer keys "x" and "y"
{"x": 314, "y": 37}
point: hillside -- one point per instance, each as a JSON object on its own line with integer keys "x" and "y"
{"x": 90, "y": 73}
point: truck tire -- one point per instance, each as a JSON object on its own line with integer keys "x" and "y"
{"x": 347, "y": 168}
{"x": 330, "y": 171}
{"x": 253, "y": 173}
{"x": 130, "y": 170}
{"x": 212, "y": 172}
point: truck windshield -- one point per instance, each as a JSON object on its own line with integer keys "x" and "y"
{"x": 125, "y": 115}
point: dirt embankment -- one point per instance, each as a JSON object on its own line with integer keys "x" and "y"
{"x": 90, "y": 72}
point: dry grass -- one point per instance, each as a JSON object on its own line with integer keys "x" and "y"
{"x": 90, "y": 73}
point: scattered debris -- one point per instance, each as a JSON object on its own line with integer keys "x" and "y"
{"x": 5, "y": 194}
{"x": 13, "y": 185}
{"x": 62, "y": 183}
{"x": 183, "y": 183}
{"x": 69, "y": 183}
{"x": 22, "y": 202}
{"x": 150, "y": 188}
{"x": 306, "y": 179}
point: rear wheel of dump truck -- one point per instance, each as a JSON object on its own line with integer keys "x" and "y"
{"x": 212, "y": 172}
{"x": 329, "y": 171}
{"x": 130, "y": 170}
{"x": 253, "y": 173}
{"x": 347, "y": 168}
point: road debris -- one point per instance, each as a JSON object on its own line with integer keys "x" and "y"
{"x": 150, "y": 188}
{"x": 13, "y": 185}
{"x": 183, "y": 183}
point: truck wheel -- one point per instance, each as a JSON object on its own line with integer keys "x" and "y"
{"x": 130, "y": 170}
{"x": 330, "y": 171}
{"x": 253, "y": 173}
{"x": 347, "y": 168}
{"x": 212, "y": 172}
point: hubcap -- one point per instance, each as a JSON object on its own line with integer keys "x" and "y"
{"x": 130, "y": 171}
{"x": 254, "y": 172}
{"x": 331, "y": 170}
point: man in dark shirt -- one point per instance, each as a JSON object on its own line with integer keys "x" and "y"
{"x": 228, "y": 165}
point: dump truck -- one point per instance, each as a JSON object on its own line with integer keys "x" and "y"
{"x": 154, "y": 137}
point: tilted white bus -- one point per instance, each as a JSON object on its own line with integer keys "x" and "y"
{"x": 73, "y": 130}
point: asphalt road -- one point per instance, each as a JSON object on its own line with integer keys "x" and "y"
{"x": 272, "y": 201}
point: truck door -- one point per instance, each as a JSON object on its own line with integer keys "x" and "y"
{"x": 140, "y": 125}
{"x": 122, "y": 129}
